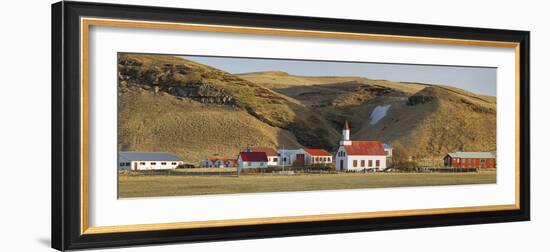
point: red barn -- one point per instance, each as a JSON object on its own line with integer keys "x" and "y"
{"x": 470, "y": 160}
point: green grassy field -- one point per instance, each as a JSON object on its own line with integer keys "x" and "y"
{"x": 174, "y": 185}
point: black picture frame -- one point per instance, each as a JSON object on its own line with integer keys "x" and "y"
{"x": 66, "y": 114}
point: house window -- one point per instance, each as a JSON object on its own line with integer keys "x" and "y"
{"x": 275, "y": 160}
{"x": 163, "y": 163}
{"x": 362, "y": 163}
{"x": 370, "y": 163}
{"x": 142, "y": 163}
{"x": 482, "y": 161}
{"x": 377, "y": 163}
{"x": 153, "y": 163}
{"x": 127, "y": 164}
{"x": 121, "y": 164}
{"x": 284, "y": 159}
{"x": 354, "y": 163}
{"x": 261, "y": 163}
{"x": 328, "y": 159}
{"x": 174, "y": 163}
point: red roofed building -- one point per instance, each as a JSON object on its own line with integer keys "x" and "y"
{"x": 251, "y": 159}
{"x": 359, "y": 155}
{"x": 308, "y": 156}
{"x": 272, "y": 155}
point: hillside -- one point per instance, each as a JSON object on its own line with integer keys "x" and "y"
{"x": 171, "y": 104}
{"x": 168, "y": 103}
{"x": 425, "y": 121}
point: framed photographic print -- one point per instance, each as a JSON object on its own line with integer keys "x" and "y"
{"x": 181, "y": 125}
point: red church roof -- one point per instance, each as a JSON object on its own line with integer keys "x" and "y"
{"x": 369, "y": 148}
{"x": 317, "y": 152}
{"x": 250, "y": 156}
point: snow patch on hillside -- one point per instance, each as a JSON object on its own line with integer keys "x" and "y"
{"x": 378, "y": 113}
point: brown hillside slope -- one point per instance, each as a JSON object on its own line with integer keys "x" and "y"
{"x": 433, "y": 122}
{"x": 426, "y": 120}
{"x": 153, "y": 80}
{"x": 169, "y": 103}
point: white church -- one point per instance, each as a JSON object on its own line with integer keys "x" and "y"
{"x": 360, "y": 155}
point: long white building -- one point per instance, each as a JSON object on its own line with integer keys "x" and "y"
{"x": 359, "y": 155}
{"x": 137, "y": 161}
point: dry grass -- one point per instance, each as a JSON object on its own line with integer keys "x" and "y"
{"x": 151, "y": 186}
{"x": 194, "y": 131}
{"x": 208, "y": 169}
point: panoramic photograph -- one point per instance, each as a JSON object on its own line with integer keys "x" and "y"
{"x": 199, "y": 125}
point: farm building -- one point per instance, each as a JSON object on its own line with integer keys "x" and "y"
{"x": 470, "y": 160}
{"x": 359, "y": 155}
{"x": 306, "y": 156}
{"x": 218, "y": 162}
{"x": 287, "y": 156}
{"x": 137, "y": 161}
{"x": 272, "y": 156}
{"x": 207, "y": 162}
{"x": 250, "y": 159}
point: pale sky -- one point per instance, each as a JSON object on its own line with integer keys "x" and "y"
{"x": 480, "y": 80}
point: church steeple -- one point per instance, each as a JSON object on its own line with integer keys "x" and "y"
{"x": 345, "y": 134}
{"x": 345, "y": 131}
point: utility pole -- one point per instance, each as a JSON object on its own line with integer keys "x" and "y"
{"x": 283, "y": 157}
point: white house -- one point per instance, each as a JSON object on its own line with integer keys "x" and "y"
{"x": 272, "y": 156}
{"x": 359, "y": 155}
{"x": 137, "y": 161}
{"x": 306, "y": 156}
{"x": 249, "y": 159}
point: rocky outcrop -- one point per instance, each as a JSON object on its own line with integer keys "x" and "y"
{"x": 177, "y": 80}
